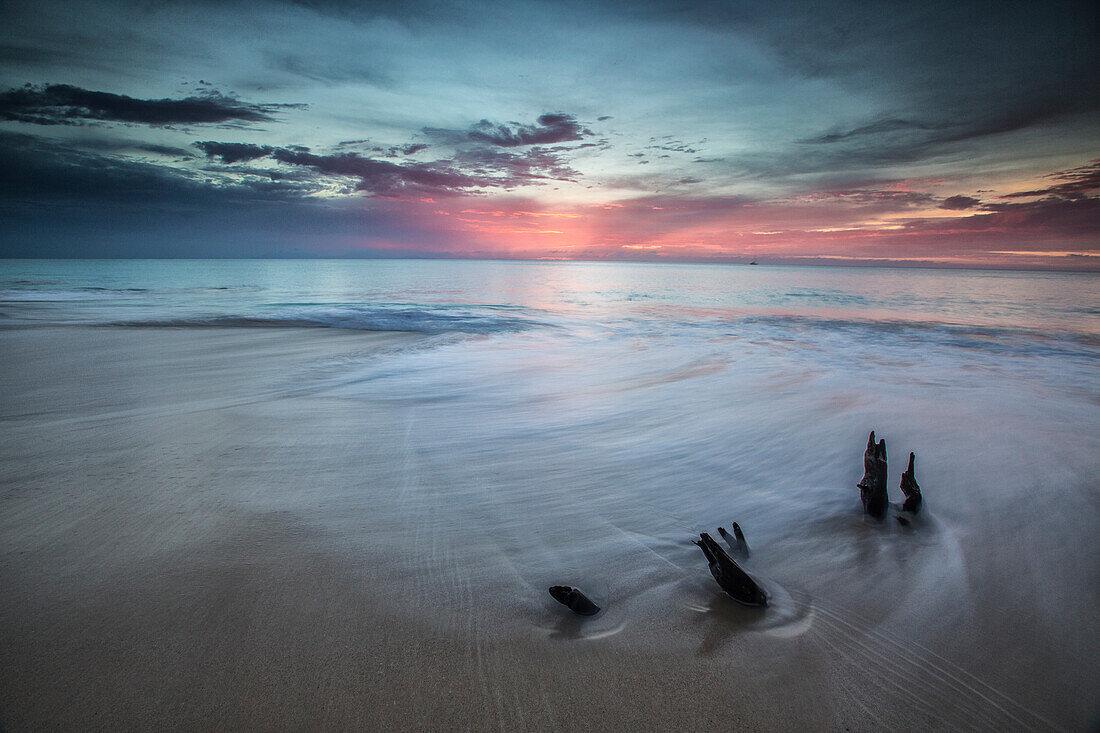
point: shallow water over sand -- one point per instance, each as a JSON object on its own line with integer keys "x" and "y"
{"x": 578, "y": 424}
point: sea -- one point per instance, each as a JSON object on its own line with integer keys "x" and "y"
{"x": 580, "y": 422}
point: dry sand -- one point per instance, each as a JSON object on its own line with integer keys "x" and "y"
{"x": 175, "y": 553}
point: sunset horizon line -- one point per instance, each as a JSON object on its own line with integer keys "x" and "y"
{"x": 1089, "y": 268}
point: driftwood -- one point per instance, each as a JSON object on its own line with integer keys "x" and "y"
{"x": 572, "y": 597}
{"x": 910, "y": 488}
{"x": 731, "y": 578}
{"x": 737, "y": 543}
{"x": 872, "y": 487}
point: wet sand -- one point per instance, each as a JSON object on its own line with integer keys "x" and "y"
{"x": 191, "y": 538}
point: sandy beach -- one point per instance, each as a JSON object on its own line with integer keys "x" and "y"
{"x": 193, "y": 538}
{"x": 404, "y": 366}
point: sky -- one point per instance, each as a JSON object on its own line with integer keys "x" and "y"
{"x": 834, "y": 132}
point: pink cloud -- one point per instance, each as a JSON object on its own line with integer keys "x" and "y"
{"x": 895, "y": 222}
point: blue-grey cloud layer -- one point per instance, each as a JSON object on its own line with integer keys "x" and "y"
{"x": 65, "y": 104}
{"x": 245, "y": 105}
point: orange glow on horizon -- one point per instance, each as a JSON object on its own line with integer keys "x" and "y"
{"x": 896, "y": 222}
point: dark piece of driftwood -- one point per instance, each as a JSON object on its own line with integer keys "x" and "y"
{"x": 733, "y": 580}
{"x": 578, "y": 602}
{"x": 872, "y": 487}
{"x": 910, "y": 488}
{"x": 737, "y": 543}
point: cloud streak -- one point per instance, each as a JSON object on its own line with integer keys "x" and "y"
{"x": 381, "y": 177}
{"x": 468, "y": 171}
{"x": 64, "y": 104}
{"x": 1075, "y": 183}
{"x": 548, "y": 130}
{"x": 234, "y": 152}
{"x": 959, "y": 203}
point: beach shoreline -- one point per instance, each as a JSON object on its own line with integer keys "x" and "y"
{"x": 192, "y": 537}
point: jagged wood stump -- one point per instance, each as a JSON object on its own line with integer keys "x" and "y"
{"x": 737, "y": 543}
{"x": 910, "y": 488}
{"x": 731, "y": 578}
{"x": 872, "y": 487}
{"x": 577, "y": 602}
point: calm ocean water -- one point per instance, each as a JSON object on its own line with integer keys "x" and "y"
{"x": 980, "y": 313}
{"x": 1044, "y": 325}
{"x": 578, "y": 422}
{"x": 490, "y": 297}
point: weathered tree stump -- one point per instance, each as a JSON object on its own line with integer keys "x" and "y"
{"x": 572, "y": 597}
{"x": 872, "y": 487}
{"x": 910, "y": 488}
{"x": 738, "y": 584}
{"x": 737, "y": 543}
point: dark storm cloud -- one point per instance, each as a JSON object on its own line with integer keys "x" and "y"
{"x": 394, "y": 151}
{"x": 42, "y": 173}
{"x": 165, "y": 150}
{"x": 959, "y": 203}
{"x": 1075, "y": 183}
{"x": 487, "y": 150}
{"x": 478, "y": 162}
{"x": 549, "y": 129}
{"x": 234, "y": 152}
{"x": 116, "y": 144}
{"x": 1054, "y": 219}
{"x": 877, "y": 127}
{"x": 510, "y": 169}
{"x": 470, "y": 169}
{"x": 923, "y": 135}
{"x": 892, "y": 198}
{"x": 64, "y": 104}
{"x": 306, "y": 178}
{"x": 838, "y": 153}
{"x": 1064, "y": 217}
{"x": 382, "y": 177}
{"x": 888, "y": 142}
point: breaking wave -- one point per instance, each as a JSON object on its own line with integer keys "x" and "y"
{"x": 412, "y": 319}
{"x": 849, "y": 335}
{"x": 59, "y": 296}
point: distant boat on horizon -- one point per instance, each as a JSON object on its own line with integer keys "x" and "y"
{"x": 753, "y": 262}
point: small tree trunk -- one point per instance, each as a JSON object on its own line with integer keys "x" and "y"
{"x": 910, "y": 488}
{"x": 872, "y": 487}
